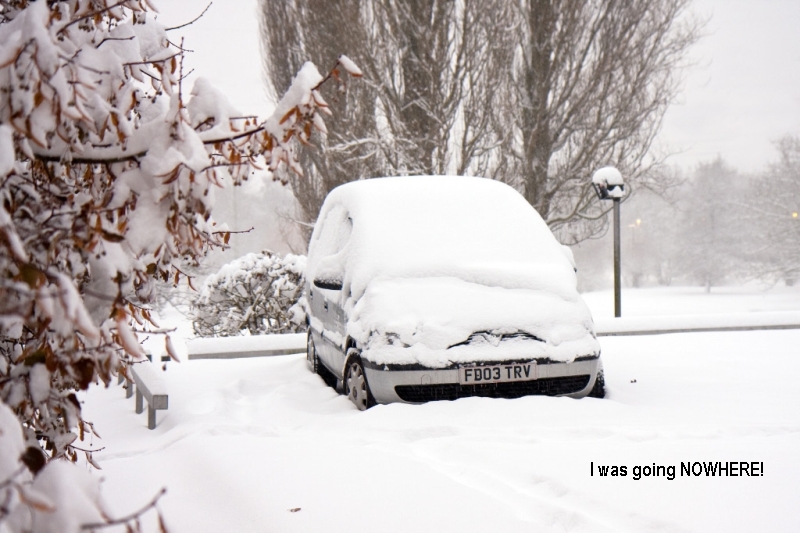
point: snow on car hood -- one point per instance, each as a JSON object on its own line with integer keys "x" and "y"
{"x": 428, "y": 321}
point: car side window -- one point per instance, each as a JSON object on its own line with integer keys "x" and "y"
{"x": 334, "y": 232}
{"x": 327, "y": 243}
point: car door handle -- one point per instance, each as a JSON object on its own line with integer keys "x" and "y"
{"x": 325, "y": 305}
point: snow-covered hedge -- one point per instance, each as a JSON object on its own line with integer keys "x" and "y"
{"x": 256, "y": 294}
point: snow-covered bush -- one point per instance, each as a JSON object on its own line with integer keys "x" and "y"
{"x": 254, "y": 294}
{"x": 107, "y": 178}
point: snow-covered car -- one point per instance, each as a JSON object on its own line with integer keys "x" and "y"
{"x": 441, "y": 287}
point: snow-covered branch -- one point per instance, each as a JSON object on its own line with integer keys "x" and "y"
{"x": 107, "y": 181}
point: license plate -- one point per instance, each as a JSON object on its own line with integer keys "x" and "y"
{"x": 472, "y": 375}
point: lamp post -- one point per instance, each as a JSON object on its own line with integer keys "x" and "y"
{"x": 609, "y": 185}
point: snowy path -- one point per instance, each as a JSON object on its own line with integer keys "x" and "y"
{"x": 245, "y": 441}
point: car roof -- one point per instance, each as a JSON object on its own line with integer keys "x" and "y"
{"x": 423, "y": 226}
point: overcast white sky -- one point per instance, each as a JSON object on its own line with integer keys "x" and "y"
{"x": 742, "y": 94}
{"x": 744, "y": 91}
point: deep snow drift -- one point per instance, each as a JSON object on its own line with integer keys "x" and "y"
{"x": 247, "y": 442}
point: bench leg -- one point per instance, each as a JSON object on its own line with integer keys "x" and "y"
{"x": 151, "y": 417}
{"x": 128, "y": 388}
{"x": 139, "y": 401}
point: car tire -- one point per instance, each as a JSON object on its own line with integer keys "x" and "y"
{"x": 312, "y": 359}
{"x": 599, "y": 389}
{"x": 355, "y": 384}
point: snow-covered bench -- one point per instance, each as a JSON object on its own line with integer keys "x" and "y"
{"x": 150, "y": 386}
{"x": 252, "y": 346}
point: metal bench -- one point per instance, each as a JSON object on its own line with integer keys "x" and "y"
{"x": 150, "y": 386}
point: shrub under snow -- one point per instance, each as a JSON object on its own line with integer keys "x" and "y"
{"x": 254, "y": 294}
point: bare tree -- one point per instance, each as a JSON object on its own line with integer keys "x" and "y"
{"x": 713, "y": 234}
{"x": 435, "y": 82}
{"x": 773, "y": 207}
{"x": 535, "y": 93}
{"x": 294, "y": 31}
{"x": 588, "y": 86}
{"x": 425, "y": 106}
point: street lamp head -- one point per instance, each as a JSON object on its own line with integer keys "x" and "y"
{"x": 608, "y": 183}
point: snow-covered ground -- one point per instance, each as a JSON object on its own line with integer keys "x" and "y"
{"x": 263, "y": 445}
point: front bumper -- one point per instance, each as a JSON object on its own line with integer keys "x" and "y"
{"x": 415, "y": 384}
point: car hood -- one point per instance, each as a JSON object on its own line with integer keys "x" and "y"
{"x": 437, "y": 322}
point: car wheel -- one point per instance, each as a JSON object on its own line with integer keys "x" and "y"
{"x": 312, "y": 360}
{"x": 599, "y": 389}
{"x": 356, "y": 386}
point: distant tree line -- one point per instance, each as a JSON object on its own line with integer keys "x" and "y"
{"x": 534, "y": 93}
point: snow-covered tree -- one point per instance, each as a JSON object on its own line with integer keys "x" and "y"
{"x": 107, "y": 179}
{"x": 651, "y": 239}
{"x": 253, "y": 294}
{"x": 772, "y": 208}
{"x": 713, "y": 235}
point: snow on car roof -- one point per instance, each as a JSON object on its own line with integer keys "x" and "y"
{"x": 475, "y": 229}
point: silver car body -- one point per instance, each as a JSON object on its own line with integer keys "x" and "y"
{"x": 408, "y": 317}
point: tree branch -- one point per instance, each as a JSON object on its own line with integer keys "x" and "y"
{"x": 192, "y": 21}
{"x": 92, "y": 14}
{"x": 126, "y": 519}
